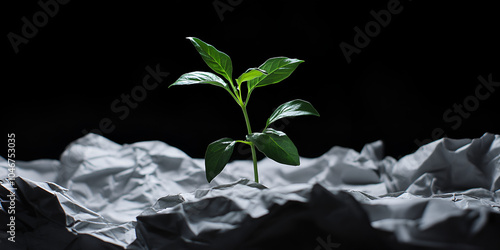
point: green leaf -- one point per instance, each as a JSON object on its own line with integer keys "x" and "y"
{"x": 218, "y": 61}
{"x": 277, "y": 68}
{"x": 291, "y": 109}
{"x": 250, "y": 74}
{"x": 199, "y": 77}
{"x": 276, "y": 145}
{"x": 217, "y": 156}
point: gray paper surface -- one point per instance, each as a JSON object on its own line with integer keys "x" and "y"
{"x": 149, "y": 195}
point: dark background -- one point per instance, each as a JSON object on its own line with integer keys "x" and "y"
{"x": 397, "y": 89}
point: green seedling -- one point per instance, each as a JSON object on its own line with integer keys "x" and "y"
{"x": 274, "y": 144}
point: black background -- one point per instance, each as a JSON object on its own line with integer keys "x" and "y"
{"x": 397, "y": 89}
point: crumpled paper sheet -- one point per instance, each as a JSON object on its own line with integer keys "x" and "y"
{"x": 149, "y": 195}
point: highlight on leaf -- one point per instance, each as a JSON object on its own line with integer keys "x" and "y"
{"x": 250, "y": 74}
{"x": 277, "y": 68}
{"x": 292, "y": 109}
{"x": 199, "y": 77}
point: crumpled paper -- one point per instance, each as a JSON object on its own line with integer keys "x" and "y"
{"x": 149, "y": 195}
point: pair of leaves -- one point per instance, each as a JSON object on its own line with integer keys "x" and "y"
{"x": 272, "y": 71}
{"x": 276, "y": 145}
{"x": 218, "y": 61}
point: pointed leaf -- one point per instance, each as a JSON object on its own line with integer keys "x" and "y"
{"x": 277, "y": 68}
{"x": 218, "y": 61}
{"x": 217, "y": 156}
{"x": 291, "y": 109}
{"x": 199, "y": 77}
{"x": 276, "y": 145}
{"x": 250, "y": 74}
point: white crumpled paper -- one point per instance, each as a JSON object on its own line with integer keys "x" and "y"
{"x": 445, "y": 195}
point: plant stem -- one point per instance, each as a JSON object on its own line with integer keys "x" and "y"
{"x": 255, "y": 170}
{"x": 254, "y": 155}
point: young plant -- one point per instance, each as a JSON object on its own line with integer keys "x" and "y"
{"x": 274, "y": 144}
